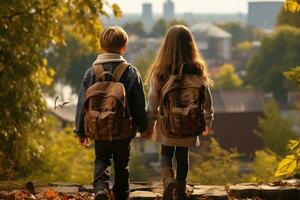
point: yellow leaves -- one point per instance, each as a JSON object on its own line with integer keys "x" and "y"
{"x": 287, "y": 166}
{"x": 45, "y": 75}
{"x": 292, "y": 5}
{"x": 293, "y": 144}
{"x": 290, "y": 165}
{"x": 227, "y": 78}
{"x": 293, "y": 74}
{"x": 116, "y": 10}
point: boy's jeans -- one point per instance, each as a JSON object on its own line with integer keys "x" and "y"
{"x": 119, "y": 152}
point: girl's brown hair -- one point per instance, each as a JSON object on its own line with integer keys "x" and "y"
{"x": 178, "y": 47}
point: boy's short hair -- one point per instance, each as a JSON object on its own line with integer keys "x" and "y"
{"x": 113, "y": 39}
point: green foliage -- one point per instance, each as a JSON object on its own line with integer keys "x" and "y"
{"x": 63, "y": 158}
{"x": 293, "y": 75}
{"x": 136, "y": 28}
{"x": 177, "y": 22}
{"x": 72, "y": 60}
{"x": 218, "y": 166}
{"x": 278, "y": 53}
{"x": 161, "y": 26}
{"x": 292, "y": 5}
{"x": 27, "y": 28}
{"x": 290, "y": 165}
{"x": 138, "y": 169}
{"x": 241, "y": 32}
{"x": 286, "y": 17}
{"x": 227, "y": 78}
{"x": 274, "y": 130}
{"x": 263, "y": 166}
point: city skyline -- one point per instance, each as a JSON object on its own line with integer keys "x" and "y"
{"x": 187, "y": 6}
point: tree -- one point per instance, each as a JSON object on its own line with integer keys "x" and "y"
{"x": 72, "y": 60}
{"x": 274, "y": 130}
{"x": 27, "y": 28}
{"x": 286, "y": 17}
{"x": 278, "y": 53}
{"x": 263, "y": 167}
{"x": 227, "y": 78}
{"x": 241, "y": 32}
{"x": 217, "y": 166}
{"x": 159, "y": 28}
{"x": 136, "y": 28}
{"x": 177, "y": 22}
{"x": 293, "y": 75}
{"x": 292, "y": 5}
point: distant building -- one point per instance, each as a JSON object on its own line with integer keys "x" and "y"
{"x": 169, "y": 10}
{"x": 263, "y": 14}
{"x": 236, "y": 117}
{"x": 214, "y": 43}
{"x": 147, "y": 14}
{"x": 138, "y": 47}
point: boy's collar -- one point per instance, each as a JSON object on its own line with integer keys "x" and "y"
{"x": 109, "y": 57}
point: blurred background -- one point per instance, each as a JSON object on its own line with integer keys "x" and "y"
{"x": 252, "y": 49}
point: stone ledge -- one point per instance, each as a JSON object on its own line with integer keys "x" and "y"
{"x": 285, "y": 190}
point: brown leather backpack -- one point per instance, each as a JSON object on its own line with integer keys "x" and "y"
{"x": 181, "y": 110}
{"x": 107, "y": 116}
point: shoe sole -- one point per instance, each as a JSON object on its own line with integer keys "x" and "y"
{"x": 168, "y": 192}
{"x": 101, "y": 198}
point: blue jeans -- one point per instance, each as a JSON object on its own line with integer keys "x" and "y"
{"x": 119, "y": 152}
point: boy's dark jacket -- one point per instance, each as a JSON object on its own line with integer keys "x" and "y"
{"x": 133, "y": 84}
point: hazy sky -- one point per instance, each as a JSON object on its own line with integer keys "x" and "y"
{"x": 183, "y": 6}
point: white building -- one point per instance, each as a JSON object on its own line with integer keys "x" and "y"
{"x": 213, "y": 42}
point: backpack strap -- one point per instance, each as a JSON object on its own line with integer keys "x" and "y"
{"x": 98, "y": 69}
{"x": 119, "y": 71}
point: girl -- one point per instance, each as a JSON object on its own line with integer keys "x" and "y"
{"x": 178, "y": 55}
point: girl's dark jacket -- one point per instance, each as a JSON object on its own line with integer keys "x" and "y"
{"x": 133, "y": 84}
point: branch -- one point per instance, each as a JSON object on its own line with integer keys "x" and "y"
{"x": 32, "y": 11}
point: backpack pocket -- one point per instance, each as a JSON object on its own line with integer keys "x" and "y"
{"x": 109, "y": 124}
{"x": 91, "y": 123}
{"x": 186, "y": 121}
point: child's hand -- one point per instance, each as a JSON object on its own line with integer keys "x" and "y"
{"x": 206, "y": 132}
{"x": 147, "y": 134}
{"x": 84, "y": 141}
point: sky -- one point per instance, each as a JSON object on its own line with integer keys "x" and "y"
{"x": 187, "y": 6}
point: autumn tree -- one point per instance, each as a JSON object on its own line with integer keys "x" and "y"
{"x": 227, "y": 78}
{"x": 286, "y": 17}
{"x": 292, "y": 5}
{"x": 27, "y": 29}
{"x": 217, "y": 166}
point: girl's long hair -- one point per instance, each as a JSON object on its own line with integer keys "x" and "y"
{"x": 178, "y": 47}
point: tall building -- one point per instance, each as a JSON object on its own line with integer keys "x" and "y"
{"x": 263, "y": 14}
{"x": 168, "y": 10}
{"x": 147, "y": 15}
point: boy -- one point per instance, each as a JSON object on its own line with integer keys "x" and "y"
{"x": 113, "y": 41}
